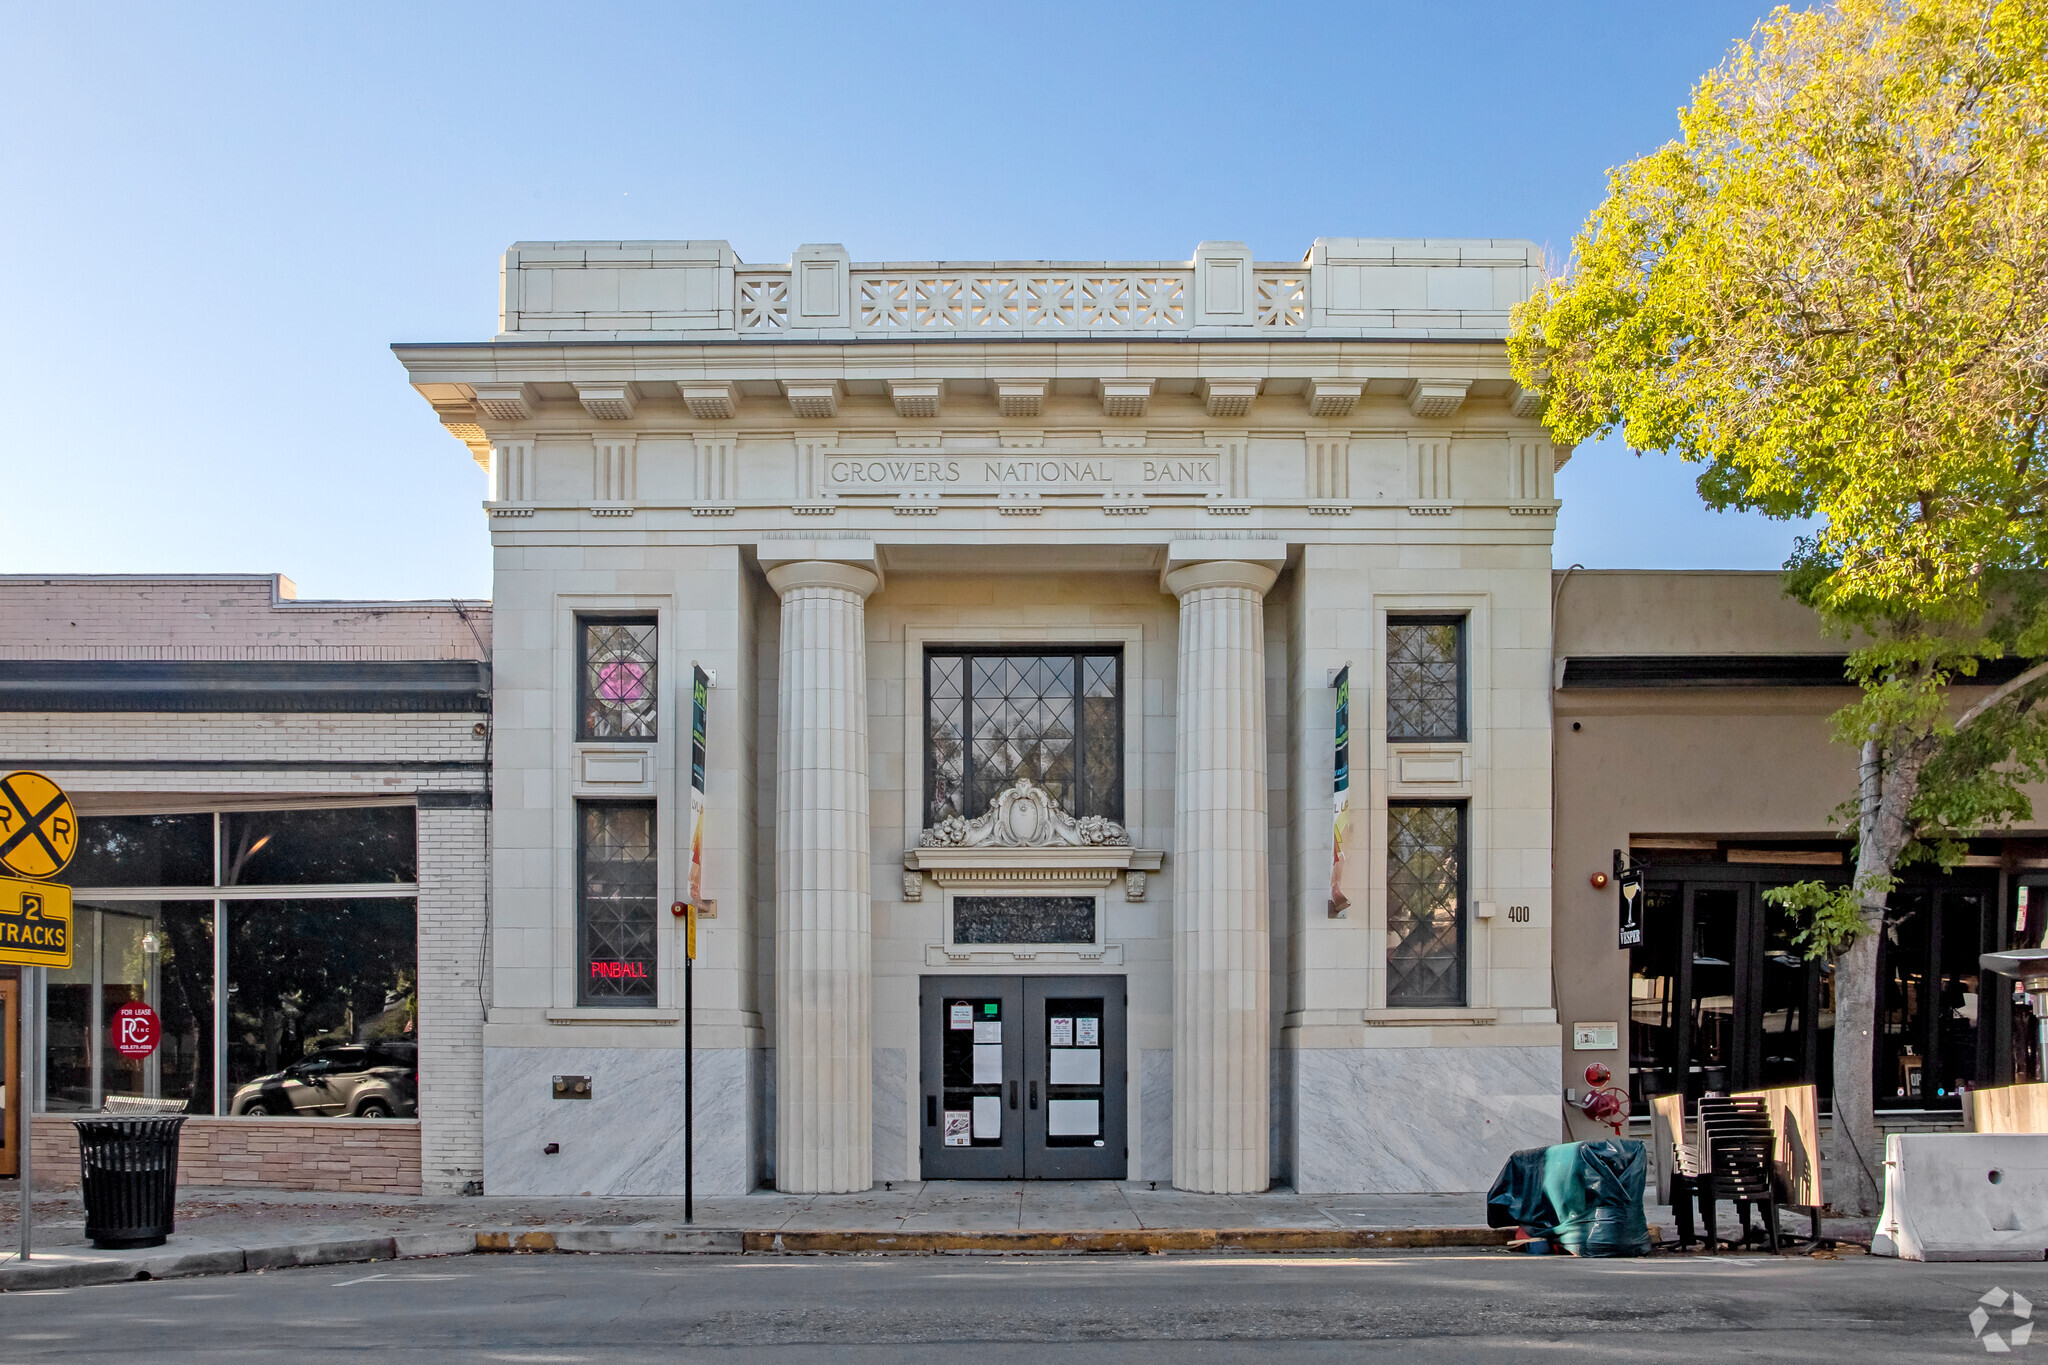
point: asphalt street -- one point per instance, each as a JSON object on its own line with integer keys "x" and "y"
{"x": 972, "y": 1310}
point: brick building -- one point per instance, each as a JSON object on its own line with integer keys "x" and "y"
{"x": 282, "y": 852}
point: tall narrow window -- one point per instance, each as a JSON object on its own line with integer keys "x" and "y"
{"x": 1053, "y": 717}
{"x": 616, "y": 664}
{"x": 1425, "y": 678}
{"x": 1425, "y": 904}
{"x": 615, "y": 902}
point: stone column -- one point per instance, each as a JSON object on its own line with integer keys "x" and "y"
{"x": 823, "y": 974}
{"x": 1221, "y": 1023}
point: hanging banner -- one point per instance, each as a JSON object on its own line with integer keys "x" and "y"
{"x": 1630, "y": 886}
{"x": 700, "y": 694}
{"x": 1340, "y": 816}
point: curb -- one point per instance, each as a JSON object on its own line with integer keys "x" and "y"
{"x": 1139, "y": 1241}
{"x": 78, "y": 1268}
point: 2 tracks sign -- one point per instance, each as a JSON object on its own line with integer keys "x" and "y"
{"x": 38, "y": 835}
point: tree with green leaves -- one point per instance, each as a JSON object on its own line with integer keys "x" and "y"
{"x": 1831, "y": 292}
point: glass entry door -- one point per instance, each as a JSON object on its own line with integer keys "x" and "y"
{"x": 1023, "y": 1078}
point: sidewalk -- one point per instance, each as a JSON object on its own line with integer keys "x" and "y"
{"x": 223, "y": 1231}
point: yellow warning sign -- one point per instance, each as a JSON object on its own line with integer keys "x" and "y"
{"x": 38, "y": 828}
{"x": 35, "y": 923}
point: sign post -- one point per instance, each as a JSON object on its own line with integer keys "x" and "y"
{"x": 38, "y": 835}
{"x": 1340, "y": 815}
{"x": 700, "y": 698}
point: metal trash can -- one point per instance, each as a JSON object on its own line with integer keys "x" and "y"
{"x": 128, "y": 1173}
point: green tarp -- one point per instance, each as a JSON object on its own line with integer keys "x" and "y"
{"x": 1586, "y": 1196}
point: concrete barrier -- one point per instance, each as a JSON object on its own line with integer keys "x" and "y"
{"x": 1964, "y": 1197}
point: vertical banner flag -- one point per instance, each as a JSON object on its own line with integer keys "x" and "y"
{"x": 700, "y": 694}
{"x": 1340, "y": 816}
{"x": 1630, "y": 885}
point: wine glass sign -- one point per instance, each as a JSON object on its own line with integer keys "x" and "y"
{"x": 1630, "y": 884}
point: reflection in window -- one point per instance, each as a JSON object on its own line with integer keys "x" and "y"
{"x": 1425, "y": 904}
{"x": 1426, "y": 678}
{"x": 351, "y": 844}
{"x": 1653, "y": 976}
{"x": 618, "y": 679}
{"x": 1716, "y": 912}
{"x": 1054, "y": 718}
{"x": 70, "y": 1021}
{"x": 143, "y": 850}
{"x": 615, "y": 903}
{"x": 160, "y": 954}
{"x": 309, "y": 976}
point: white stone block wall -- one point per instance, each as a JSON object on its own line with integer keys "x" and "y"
{"x": 453, "y": 903}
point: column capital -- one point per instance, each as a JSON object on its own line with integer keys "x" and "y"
{"x": 1192, "y": 564}
{"x": 823, "y": 573}
{"x": 850, "y": 564}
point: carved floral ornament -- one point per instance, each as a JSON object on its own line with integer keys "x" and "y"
{"x": 1025, "y": 815}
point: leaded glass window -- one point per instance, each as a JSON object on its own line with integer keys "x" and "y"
{"x": 1055, "y": 717}
{"x": 617, "y": 678}
{"x": 615, "y": 902}
{"x": 1425, "y": 904}
{"x": 1426, "y": 678}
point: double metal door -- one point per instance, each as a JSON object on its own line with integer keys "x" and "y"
{"x": 1023, "y": 1078}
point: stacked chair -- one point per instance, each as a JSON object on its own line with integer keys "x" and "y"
{"x": 1729, "y": 1154}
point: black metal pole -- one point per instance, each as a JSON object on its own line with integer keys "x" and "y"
{"x": 690, "y": 1086}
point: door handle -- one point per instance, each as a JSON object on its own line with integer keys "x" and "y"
{"x": 1034, "y": 1094}
{"x": 931, "y": 1111}
{"x": 1013, "y": 1094}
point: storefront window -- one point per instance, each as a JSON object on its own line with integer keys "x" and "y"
{"x": 350, "y": 845}
{"x": 306, "y": 978}
{"x": 155, "y": 953}
{"x": 1425, "y": 904}
{"x": 70, "y": 1021}
{"x": 310, "y": 983}
{"x": 1425, "y": 678}
{"x": 618, "y": 678}
{"x": 143, "y": 850}
{"x": 615, "y": 904}
{"x": 991, "y": 718}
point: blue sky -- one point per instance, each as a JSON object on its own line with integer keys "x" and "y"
{"x": 217, "y": 219}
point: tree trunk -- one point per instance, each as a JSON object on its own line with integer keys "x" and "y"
{"x": 1887, "y": 783}
{"x": 1858, "y": 1154}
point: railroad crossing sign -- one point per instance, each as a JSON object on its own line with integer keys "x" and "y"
{"x": 38, "y": 828}
{"x": 38, "y": 835}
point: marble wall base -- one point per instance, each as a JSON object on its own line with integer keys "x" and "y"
{"x": 1280, "y": 1116}
{"x": 1155, "y": 1114}
{"x": 891, "y": 1138}
{"x": 628, "y": 1137}
{"x": 1418, "y": 1120}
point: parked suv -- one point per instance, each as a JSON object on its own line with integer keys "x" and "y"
{"x": 375, "y": 1080}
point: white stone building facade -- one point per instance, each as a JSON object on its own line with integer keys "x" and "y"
{"x": 1022, "y": 589}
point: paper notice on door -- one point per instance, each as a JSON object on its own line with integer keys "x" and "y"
{"x": 1076, "y": 1066}
{"x": 962, "y": 1015}
{"x": 1087, "y": 1033}
{"x": 988, "y": 1064}
{"x": 988, "y": 1030}
{"x": 988, "y": 1116}
{"x": 1070, "y": 1118}
{"x": 1062, "y": 1033}
{"x": 958, "y": 1133}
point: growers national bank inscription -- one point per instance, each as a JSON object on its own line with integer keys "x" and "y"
{"x": 1007, "y": 471}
